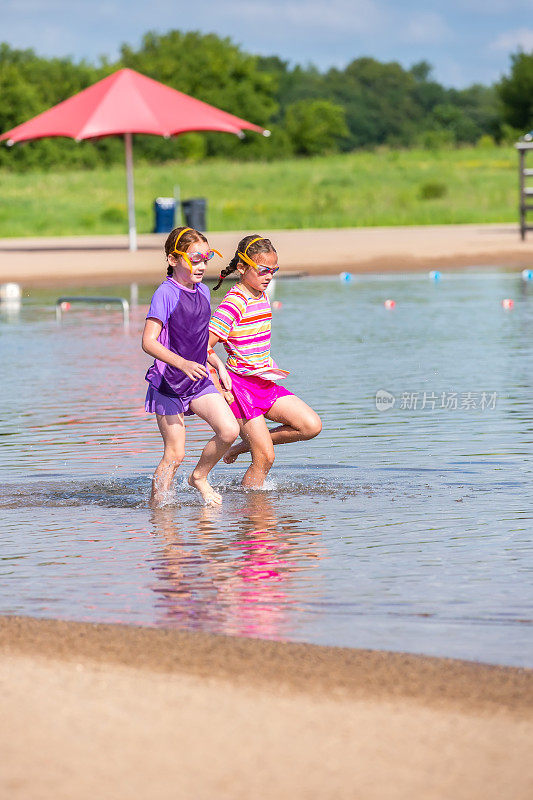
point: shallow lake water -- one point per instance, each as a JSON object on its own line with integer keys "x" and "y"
{"x": 404, "y": 526}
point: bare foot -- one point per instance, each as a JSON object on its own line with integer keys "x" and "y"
{"x": 209, "y": 495}
{"x": 234, "y": 452}
{"x": 162, "y": 494}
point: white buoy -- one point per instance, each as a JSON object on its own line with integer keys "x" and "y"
{"x": 435, "y": 275}
{"x": 10, "y": 299}
{"x": 527, "y": 274}
{"x": 345, "y": 277}
{"x": 10, "y": 292}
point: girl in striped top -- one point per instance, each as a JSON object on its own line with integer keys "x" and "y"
{"x": 242, "y": 323}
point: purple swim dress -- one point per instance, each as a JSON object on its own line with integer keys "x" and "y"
{"x": 184, "y": 314}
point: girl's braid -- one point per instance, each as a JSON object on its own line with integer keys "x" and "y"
{"x": 232, "y": 266}
{"x": 261, "y": 246}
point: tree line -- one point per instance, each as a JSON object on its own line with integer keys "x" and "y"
{"x": 310, "y": 112}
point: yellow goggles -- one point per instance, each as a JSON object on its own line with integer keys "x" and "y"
{"x": 262, "y": 270}
{"x": 193, "y": 259}
{"x": 259, "y": 268}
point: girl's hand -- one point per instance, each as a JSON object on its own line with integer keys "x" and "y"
{"x": 228, "y": 397}
{"x": 193, "y": 370}
{"x": 225, "y": 379}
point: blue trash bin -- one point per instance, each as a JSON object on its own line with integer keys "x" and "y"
{"x": 165, "y": 214}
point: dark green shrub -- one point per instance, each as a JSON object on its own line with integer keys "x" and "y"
{"x": 432, "y": 190}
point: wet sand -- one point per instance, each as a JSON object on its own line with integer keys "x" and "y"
{"x": 105, "y": 259}
{"x": 120, "y": 712}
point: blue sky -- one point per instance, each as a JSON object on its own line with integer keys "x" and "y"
{"x": 466, "y": 41}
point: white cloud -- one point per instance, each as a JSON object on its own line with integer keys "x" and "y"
{"x": 519, "y": 39}
{"x": 426, "y": 28}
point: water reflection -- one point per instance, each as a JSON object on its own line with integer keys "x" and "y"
{"x": 242, "y": 584}
{"x": 401, "y": 529}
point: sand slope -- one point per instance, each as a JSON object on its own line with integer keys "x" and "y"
{"x": 102, "y": 711}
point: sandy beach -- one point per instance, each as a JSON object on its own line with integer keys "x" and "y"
{"x": 105, "y": 259}
{"x": 119, "y": 712}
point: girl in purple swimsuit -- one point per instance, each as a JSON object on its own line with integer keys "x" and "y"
{"x": 176, "y": 334}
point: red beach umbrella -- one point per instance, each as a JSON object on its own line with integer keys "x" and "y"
{"x": 123, "y": 104}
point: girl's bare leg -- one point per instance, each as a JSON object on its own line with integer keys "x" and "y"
{"x": 256, "y": 437}
{"x": 172, "y": 429}
{"x": 215, "y": 411}
{"x": 298, "y": 423}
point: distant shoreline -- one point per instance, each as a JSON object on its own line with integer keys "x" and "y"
{"x": 105, "y": 259}
{"x": 158, "y": 713}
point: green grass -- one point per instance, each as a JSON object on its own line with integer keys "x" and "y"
{"x": 411, "y": 187}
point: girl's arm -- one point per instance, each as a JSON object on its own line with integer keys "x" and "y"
{"x": 224, "y": 384}
{"x": 150, "y": 345}
{"x": 219, "y": 365}
{"x": 215, "y": 362}
{"x": 226, "y": 393}
{"x": 213, "y": 359}
{"x": 213, "y": 339}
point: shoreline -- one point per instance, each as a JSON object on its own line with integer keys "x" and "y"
{"x": 159, "y": 713}
{"x": 105, "y": 259}
{"x": 299, "y": 667}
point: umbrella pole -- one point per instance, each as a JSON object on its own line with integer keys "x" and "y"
{"x": 131, "y": 198}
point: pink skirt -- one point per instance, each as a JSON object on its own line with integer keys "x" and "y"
{"x": 254, "y": 396}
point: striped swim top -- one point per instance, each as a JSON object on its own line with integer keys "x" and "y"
{"x": 243, "y": 324}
